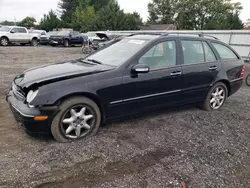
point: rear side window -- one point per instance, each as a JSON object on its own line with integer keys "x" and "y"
{"x": 21, "y": 30}
{"x": 224, "y": 51}
{"x": 192, "y": 51}
{"x": 210, "y": 57}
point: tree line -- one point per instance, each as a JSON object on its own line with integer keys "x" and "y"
{"x": 90, "y": 15}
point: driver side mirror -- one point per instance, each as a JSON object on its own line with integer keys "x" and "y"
{"x": 140, "y": 69}
{"x": 12, "y": 31}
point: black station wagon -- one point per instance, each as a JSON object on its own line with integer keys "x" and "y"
{"x": 139, "y": 73}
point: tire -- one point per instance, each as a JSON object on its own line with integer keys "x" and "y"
{"x": 34, "y": 42}
{"x": 4, "y": 41}
{"x": 59, "y": 128}
{"x": 248, "y": 80}
{"x": 86, "y": 50}
{"x": 208, "y": 105}
{"x": 66, "y": 43}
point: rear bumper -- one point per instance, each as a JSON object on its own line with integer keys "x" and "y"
{"x": 235, "y": 85}
{"x": 25, "y": 116}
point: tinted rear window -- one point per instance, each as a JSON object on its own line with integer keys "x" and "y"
{"x": 224, "y": 51}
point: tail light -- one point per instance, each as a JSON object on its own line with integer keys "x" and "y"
{"x": 242, "y": 71}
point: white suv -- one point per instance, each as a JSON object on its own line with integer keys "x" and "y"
{"x": 16, "y": 34}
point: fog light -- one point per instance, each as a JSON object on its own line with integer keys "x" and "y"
{"x": 40, "y": 118}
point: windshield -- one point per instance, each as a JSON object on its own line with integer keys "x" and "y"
{"x": 6, "y": 29}
{"x": 64, "y": 33}
{"x": 119, "y": 52}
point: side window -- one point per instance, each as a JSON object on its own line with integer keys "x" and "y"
{"x": 210, "y": 57}
{"x": 21, "y": 30}
{"x": 224, "y": 51}
{"x": 192, "y": 51}
{"x": 15, "y": 30}
{"x": 160, "y": 56}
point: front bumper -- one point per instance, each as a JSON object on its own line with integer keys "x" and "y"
{"x": 25, "y": 116}
{"x": 44, "y": 41}
{"x": 55, "y": 42}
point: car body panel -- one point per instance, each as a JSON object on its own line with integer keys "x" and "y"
{"x": 73, "y": 37}
{"x": 120, "y": 92}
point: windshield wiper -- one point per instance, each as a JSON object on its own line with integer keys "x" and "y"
{"x": 94, "y": 61}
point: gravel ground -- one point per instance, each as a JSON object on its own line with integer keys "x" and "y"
{"x": 172, "y": 148}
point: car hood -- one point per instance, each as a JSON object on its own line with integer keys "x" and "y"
{"x": 57, "y": 72}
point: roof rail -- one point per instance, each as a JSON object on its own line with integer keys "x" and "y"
{"x": 170, "y": 33}
{"x": 147, "y": 33}
{"x": 190, "y": 33}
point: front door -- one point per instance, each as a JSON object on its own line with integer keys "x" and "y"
{"x": 159, "y": 87}
{"x": 15, "y": 35}
{"x": 200, "y": 68}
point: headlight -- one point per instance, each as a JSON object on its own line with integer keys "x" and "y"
{"x": 31, "y": 95}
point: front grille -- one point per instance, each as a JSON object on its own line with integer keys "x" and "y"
{"x": 18, "y": 92}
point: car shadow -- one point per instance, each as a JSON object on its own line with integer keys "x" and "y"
{"x": 125, "y": 119}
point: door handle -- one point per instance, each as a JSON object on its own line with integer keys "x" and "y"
{"x": 177, "y": 73}
{"x": 213, "y": 68}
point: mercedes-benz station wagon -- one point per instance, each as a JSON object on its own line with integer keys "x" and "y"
{"x": 139, "y": 73}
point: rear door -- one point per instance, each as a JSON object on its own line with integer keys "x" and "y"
{"x": 23, "y": 35}
{"x": 200, "y": 68}
{"x": 76, "y": 38}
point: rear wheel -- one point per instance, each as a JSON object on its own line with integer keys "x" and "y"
{"x": 216, "y": 97}
{"x": 79, "y": 117}
{"x": 34, "y": 42}
{"x": 4, "y": 41}
{"x": 248, "y": 80}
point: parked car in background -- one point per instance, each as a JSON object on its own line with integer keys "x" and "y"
{"x": 92, "y": 36}
{"x": 137, "y": 74}
{"x": 16, "y": 34}
{"x": 44, "y": 40}
{"x": 41, "y": 32}
{"x": 66, "y": 38}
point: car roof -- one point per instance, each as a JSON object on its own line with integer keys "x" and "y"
{"x": 190, "y": 35}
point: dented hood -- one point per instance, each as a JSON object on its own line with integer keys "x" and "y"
{"x": 57, "y": 72}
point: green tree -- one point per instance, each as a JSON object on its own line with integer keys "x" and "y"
{"x": 111, "y": 17}
{"x": 28, "y": 22}
{"x": 68, "y": 7}
{"x": 9, "y": 23}
{"x": 50, "y": 21}
{"x": 196, "y": 14}
{"x": 84, "y": 18}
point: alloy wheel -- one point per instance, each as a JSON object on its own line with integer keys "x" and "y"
{"x": 218, "y": 97}
{"x": 78, "y": 122}
{"x": 4, "y": 42}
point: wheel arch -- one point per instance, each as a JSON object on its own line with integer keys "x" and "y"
{"x": 91, "y": 96}
{"x": 4, "y": 36}
{"x": 227, "y": 83}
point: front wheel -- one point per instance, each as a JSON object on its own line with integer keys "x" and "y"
{"x": 66, "y": 43}
{"x": 248, "y": 80}
{"x": 216, "y": 97}
{"x": 79, "y": 117}
{"x": 4, "y": 41}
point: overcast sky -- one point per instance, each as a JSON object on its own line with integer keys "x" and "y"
{"x": 19, "y": 9}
